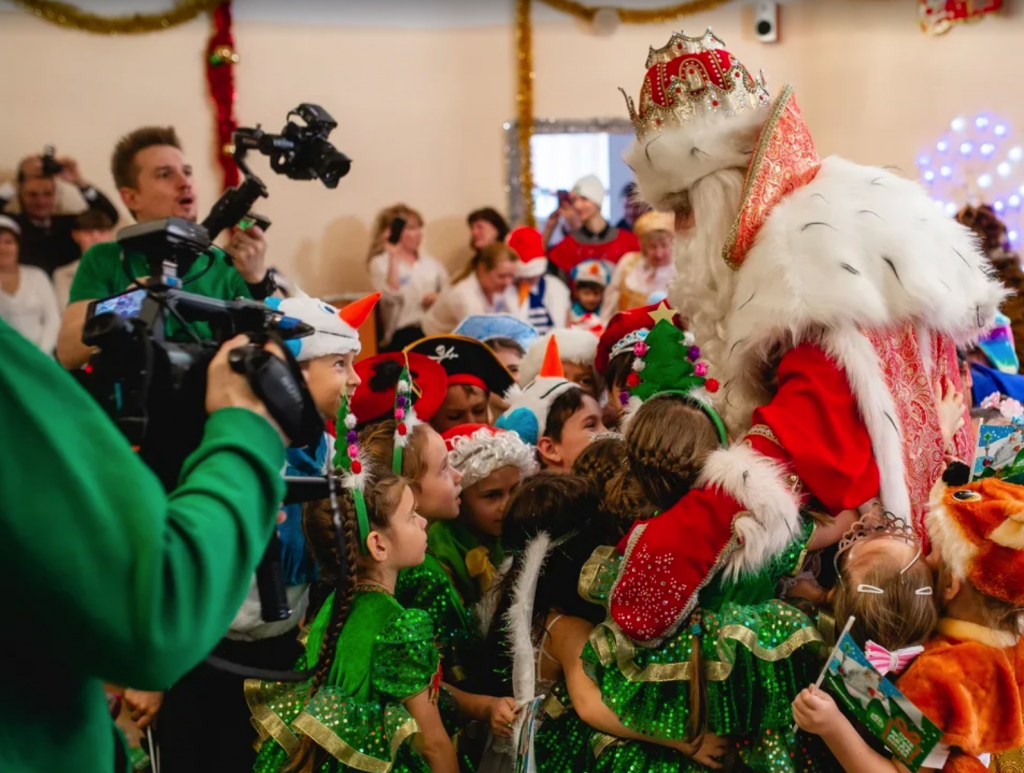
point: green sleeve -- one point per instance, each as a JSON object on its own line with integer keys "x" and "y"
{"x": 405, "y": 658}
{"x": 90, "y": 280}
{"x": 109, "y": 575}
{"x": 427, "y": 587}
{"x": 236, "y": 282}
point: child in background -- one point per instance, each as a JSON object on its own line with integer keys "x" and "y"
{"x": 577, "y": 349}
{"x": 544, "y": 300}
{"x": 589, "y": 282}
{"x": 639, "y": 274}
{"x": 92, "y": 227}
{"x": 492, "y": 462}
{"x": 541, "y": 625}
{"x": 506, "y": 336}
{"x": 968, "y": 679}
{"x": 553, "y": 414}
{"x": 474, "y": 374}
{"x": 372, "y": 692}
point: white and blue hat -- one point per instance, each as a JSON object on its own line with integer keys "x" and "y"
{"x": 335, "y": 331}
{"x": 484, "y": 327}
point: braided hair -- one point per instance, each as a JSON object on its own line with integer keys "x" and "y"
{"x": 603, "y": 462}
{"x": 667, "y": 444}
{"x": 382, "y": 498}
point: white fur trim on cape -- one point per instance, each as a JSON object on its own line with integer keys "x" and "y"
{"x": 578, "y": 346}
{"x": 771, "y": 520}
{"x": 531, "y": 269}
{"x": 667, "y": 162}
{"x": 488, "y": 604}
{"x": 520, "y": 622}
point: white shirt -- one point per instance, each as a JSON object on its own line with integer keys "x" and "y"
{"x": 33, "y": 310}
{"x": 403, "y": 307}
{"x": 463, "y": 299}
{"x": 557, "y": 300}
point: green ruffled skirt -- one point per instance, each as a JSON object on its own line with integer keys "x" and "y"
{"x": 358, "y": 737}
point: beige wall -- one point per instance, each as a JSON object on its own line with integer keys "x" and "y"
{"x": 421, "y": 111}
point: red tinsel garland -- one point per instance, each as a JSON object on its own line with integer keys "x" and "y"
{"x": 220, "y": 75}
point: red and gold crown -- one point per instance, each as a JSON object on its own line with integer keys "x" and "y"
{"x": 690, "y": 78}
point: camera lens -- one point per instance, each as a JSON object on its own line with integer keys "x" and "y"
{"x": 332, "y": 166}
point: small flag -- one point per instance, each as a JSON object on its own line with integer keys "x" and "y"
{"x": 878, "y": 705}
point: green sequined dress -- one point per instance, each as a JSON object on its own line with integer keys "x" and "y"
{"x": 429, "y": 588}
{"x": 757, "y": 653}
{"x": 385, "y": 655}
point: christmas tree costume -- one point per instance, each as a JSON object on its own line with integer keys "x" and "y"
{"x": 757, "y": 652}
{"x": 385, "y": 655}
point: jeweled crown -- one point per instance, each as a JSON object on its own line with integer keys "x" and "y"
{"x": 876, "y": 523}
{"x": 690, "y": 78}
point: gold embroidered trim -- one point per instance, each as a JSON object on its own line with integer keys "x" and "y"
{"x": 623, "y": 653}
{"x": 345, "y": 754}
{"x": 755, "y": 166}
{"x": 599, "y": 742}
{"x": 961, "y": 629}
{"x": 267, "y": 723}
{"x": 827, "y": 628}
{"x": 763, "y": 430}
{"x": 458, "y": 674}
{"x": 553, "y": 707}
{"x": 588, "y": 575}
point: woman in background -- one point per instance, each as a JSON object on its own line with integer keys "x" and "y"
{"x": 28, "y": 302}
{"x": 484, "y": 286}
{"x": 409, "y": 281}
{"x": 486, "y": 227}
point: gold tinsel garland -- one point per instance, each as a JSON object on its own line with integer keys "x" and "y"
{"x": 524, "y": 41}
{"x": 67, "y": 15}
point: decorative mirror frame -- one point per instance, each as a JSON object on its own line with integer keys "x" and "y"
{"x": 516, "y": 199}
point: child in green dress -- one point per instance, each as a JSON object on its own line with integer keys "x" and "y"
{"x": 540, "y": 627}
{"x": 437, "y": 485}
{"x": 371, "y": 702}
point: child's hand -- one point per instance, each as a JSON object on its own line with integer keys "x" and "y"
{"x": 815, "y": 712}
{"x": 503, "y": 717}
{"x": 950, "y": 405}
{"x": 709, "y": 753}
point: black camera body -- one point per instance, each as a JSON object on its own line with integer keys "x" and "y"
{"x": 51, "y": 166}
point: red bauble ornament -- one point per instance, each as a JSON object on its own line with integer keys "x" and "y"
{"x": 357, "y": 467}
{"x": 633, "y": 380}
{"x": 712, "y": 385}
{"x": 402, "y": 430}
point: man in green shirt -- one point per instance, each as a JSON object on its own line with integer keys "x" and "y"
{"x": 106, "y": 577}
{"x": 155, "y": 181}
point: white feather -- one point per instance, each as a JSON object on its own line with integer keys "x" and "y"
{"x": 488, "y": 604}
{"x": 520, "y": 621}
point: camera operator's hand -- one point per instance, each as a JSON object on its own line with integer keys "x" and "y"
{"x": 143, "y": 706}
{"x": 227, "y": 389}
{"x": 248, "y": 251}
{"x": 70, "y": 171}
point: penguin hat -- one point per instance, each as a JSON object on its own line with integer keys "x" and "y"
{"x": 335, "y": 331}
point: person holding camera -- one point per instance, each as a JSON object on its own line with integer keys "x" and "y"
{"x": 155, "y": 181}
{"x": 27, "y": 299}
{"x": 112, "y": 579}
{"x": 409, "y": 282}
{"x": 46, "y": 240}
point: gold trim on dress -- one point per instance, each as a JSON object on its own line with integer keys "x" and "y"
{"x": 599, "y": 743}
{"x": 328, "y": 740}
{"x": 553, "y": 707}
{"x": 266, "y": 721}
{"x": 591, "y": 569}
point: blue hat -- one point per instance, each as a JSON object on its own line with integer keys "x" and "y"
{"x": 484, "y": 327}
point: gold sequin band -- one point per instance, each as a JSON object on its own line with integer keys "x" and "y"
{"x": 345, "y": 754}
{"x": 591, "y": 569}
{"x": 763, "y": 430}
{"x": 553, "y": 707}
{"x": 266, "y": 721}
{"x": 600, "y": 742}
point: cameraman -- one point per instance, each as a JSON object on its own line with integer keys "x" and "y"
{"x": 109, "y": 578}
{"x": 155, "y": 181}
{"x": 46, "y": 235}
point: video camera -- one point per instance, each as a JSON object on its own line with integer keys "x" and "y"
{"x": 156, "y": 342}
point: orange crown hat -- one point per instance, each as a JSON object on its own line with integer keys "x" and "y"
{"x": 528, "y": 244}
{"x": 334, "y": 331}
{"x": 528, "y": 408}
{"x": 691, "y": 77}
{"x": 978, "y": 531}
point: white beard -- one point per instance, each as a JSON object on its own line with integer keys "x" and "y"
{"x": 703, "y": 286}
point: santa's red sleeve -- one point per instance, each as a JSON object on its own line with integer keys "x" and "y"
{"x": 815, "y": 420}
{"x": 747, "y": 509}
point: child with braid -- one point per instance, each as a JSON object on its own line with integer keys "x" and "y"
{"x": 604, "y": 464}
{"x": 374, "y": 683}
